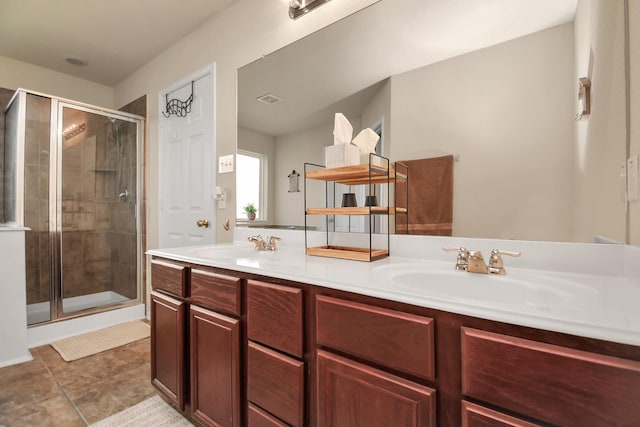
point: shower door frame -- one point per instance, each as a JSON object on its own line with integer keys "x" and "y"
{"x": 55, "y": 205}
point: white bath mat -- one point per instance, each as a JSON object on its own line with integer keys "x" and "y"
{"x": 153, "y": 412}
{"x": 84, "y": 345}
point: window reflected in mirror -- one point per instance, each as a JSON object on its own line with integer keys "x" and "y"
{"x": 250, "y": 178}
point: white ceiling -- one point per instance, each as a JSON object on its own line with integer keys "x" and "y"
{"x": 115, "y": 37}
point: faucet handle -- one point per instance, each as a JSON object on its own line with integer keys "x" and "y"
{"x": 257, "y": 240}
{"x": 463, "y": 256}
{"x": 272, "y": 242}
{"x": 496, "y": 265}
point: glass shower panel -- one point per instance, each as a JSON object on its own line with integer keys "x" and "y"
{"x": 36, "y": 207}
{"x": 10, "y": 162}
{"x": 98, "y": 210}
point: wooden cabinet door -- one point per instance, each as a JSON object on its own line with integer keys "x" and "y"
{"x": 168, "y": 343}
{"x": 354, "y": 395}
{"x": 215, "y": 368}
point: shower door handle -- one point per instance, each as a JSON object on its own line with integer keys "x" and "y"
{"x": 203, "y": 223}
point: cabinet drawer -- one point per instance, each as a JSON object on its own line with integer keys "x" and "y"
{"x": 478, "y": 416}
{"x": 215, "y": 291}
{"x": 356, "y": 395}
{"x": 553, "y": 384}
{"x": 256, "y": 417}
{"x": 169, "y": 277}
{"x": 274, "y": 316}
{"x": 275, "y": 382}
{"x": 391, "y": 338}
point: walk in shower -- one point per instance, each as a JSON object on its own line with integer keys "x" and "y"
{"x": 71, "y": 175}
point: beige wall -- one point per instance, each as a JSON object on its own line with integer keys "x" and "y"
{"x": 600, "y": 136}
{"x": 17, "y": 74}
{"x": 241, "y": 34}
{"x": 634, "y": 48}
{"x": 379, "y": 108}
{"x": 512, "y": 180}
{"x": 292, "y": 151}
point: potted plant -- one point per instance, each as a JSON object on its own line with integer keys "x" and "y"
{"x": 251, "y": 211}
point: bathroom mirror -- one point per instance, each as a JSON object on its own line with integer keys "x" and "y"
{"x": 494, "y": 85}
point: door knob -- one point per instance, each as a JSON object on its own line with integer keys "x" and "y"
{"x": 203, "y": 223}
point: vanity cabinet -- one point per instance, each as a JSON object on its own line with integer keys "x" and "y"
{"x": 237, "y": 349}
{"x": 195, "y": 317}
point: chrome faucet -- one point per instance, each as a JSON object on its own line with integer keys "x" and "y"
{"x": 473, "y": 262}
{"x": 262, "y": 246}
{"x": 476, "y": 263}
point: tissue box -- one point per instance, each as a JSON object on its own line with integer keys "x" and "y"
{"x": 339, "y": 155}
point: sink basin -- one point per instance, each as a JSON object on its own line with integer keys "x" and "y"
{"x": 519, "y": 288}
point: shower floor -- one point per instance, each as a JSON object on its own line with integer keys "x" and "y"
{"x": 38, "y": 313}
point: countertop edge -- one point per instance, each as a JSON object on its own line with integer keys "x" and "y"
{"x": 581, "y": 329}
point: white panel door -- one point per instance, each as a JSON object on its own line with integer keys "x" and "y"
{"x": 187, "y": 168}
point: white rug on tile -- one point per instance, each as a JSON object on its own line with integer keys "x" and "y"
{"x": 84, "y": 345}
{"x": 153, "y": 412}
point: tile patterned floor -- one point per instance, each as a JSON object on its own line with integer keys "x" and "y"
{"x": 51, "y": 392}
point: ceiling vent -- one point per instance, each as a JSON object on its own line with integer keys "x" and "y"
{"x": 76, "y": 61}
{"x": 269, "y": 99}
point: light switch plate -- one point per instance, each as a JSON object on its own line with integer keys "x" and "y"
{"x": 225, "y": 164}
{"x": 632, "y": 178}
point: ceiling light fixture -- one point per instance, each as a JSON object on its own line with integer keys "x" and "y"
{"x": 297, "y": 8}
{"x": 73, "y": 130}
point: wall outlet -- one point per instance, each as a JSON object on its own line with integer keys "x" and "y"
{"x": 632, "y": 178}
{"x": 225, "y": 164}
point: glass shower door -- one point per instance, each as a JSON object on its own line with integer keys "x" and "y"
{"x": 36, "y": 211}
{"x": 96, "y": 209}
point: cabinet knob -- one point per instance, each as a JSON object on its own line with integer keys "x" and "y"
{"x": 203, "y": 223}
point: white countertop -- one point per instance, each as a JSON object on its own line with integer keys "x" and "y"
{"x": 601, "y": 306}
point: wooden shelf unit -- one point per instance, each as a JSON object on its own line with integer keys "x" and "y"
{"x": 379, "y": 170}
